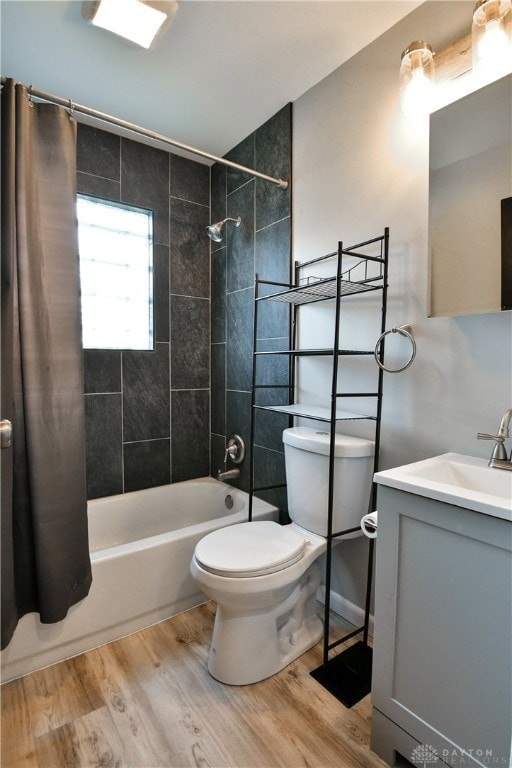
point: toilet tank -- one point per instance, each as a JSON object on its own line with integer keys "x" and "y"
{"x": 306, "y": 453}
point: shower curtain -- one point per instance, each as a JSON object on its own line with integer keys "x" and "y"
{"x": 45, "y": 553}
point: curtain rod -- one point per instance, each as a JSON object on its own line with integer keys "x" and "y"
{"x": 103, "y": 117}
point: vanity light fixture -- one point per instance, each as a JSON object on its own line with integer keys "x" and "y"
{"x": 492, "y": 37}
{"x": 141, "y": 21}
{"x": 478, "y": 58}
{"x": 416, "y": 77}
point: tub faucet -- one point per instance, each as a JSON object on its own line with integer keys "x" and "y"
{"x": 228, "y": 474}
{"x": 235, "y": 450}
{"x": 499, "y": 458}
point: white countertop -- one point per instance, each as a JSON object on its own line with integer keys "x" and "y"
{"x": 453, "y": 478}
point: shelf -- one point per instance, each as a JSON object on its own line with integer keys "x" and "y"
{"x": 321, "y": 290}
{"x": 316, "y": 412}
{"x": 360, "y": 274}
{"x": 313, "y": 352}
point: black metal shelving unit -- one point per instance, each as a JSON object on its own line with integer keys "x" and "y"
{"x": 348, "y": 674}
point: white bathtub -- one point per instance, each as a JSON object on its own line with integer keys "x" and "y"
{"x": 141, "y": 545}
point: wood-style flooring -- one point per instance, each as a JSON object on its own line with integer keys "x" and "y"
{"x": 148, "y": 701}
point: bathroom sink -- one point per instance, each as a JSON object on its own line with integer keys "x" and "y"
{"x": 455, "y": 479}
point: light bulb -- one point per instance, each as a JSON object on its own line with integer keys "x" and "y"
{"x": 418, "y": 93}
{"x": 493, "y": 44}
{"x": 492, "y": 37}
{"x": 416, "y": 75}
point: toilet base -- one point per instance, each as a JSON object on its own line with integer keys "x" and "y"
{"x": 251, "y": 669}
{"x": 249, "y": 647}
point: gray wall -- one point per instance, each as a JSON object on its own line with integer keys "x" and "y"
{"x": 260, "y": 245}
{"x": 360, "y": 164}
{"x": 147, "y": 413}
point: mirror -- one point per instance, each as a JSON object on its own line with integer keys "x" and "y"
{"x": 470, "y": 203}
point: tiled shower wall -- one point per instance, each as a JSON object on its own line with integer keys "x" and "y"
{"x": 147, "y": 413}
{"x": 260, "y": 245}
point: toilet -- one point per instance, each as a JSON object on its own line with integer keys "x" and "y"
{"x": 264, "y": 576}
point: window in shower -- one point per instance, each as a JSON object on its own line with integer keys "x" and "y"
{"x": 116, "y": 274}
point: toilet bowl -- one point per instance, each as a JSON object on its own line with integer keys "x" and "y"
{"x": 264, "y": 576}
{"x": 264, "y": 579}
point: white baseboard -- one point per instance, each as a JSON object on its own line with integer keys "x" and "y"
{"x": 345, "y": 608}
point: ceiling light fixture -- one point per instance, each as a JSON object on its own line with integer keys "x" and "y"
{"x": 416, "y": 77}
{"x": 492, "y": 36}
{"x": 141, "y": 21}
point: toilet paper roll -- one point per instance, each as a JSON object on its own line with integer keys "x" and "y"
{"x": 369, "y": 525}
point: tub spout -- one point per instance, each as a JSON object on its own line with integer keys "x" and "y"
{"x": 230, "y": 474}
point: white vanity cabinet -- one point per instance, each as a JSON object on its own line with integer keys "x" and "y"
{"x": 442, "y": 679}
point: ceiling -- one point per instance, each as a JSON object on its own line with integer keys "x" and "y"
{"x": 221, "y": 70}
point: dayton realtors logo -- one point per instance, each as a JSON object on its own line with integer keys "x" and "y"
{"x": 424, "y": 755}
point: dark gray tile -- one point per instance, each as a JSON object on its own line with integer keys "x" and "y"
{"x": 269, "y": 470}
{"x": 272, "y": 252}
{"x": 145, "y": 183}
{"x": 272, "y": 260}
{"x": 238, "y": 422}
{"x": 243, "y": 154}
{"x": 218, "y": 194}
{"x": 240, "y": 307}
{"x": 102, "y": 370}
{"x": 218, "y": 388}
{"x": 97, "y": 152}
{"x": 190, "y": 343}
{"x": 272, "y": 396}
{"x": 272, "y": 204}
{"x": 217, "y": 446}
{"x": 96, "y": 186}
{"x": 278, "y": 497}
{"x": 269, "y": 427}
{"x": 271, "y": 369}
{"x": 190, "y": 251}
{"x": 146, "y": 394}
{"x": 147, "y": 464}
{"x": 161, "y": 292}
{"x": 218, "y": 288}
{"x": 238, "y": 414}
{"x": 273, "y": 142}
{"x": 190, "y": 434}
{"x": 103, "y": 443}
{"x": 190, "y": 180}
{"x": 273, "y": 316}
{"x": 240, "y": 240}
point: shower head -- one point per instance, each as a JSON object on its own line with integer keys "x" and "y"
{"x": 214, "y": 231}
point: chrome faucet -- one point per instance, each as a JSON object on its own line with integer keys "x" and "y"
{"x": 228, "y": 474}
{"x": 499, "y": 458}
{"x": 235, "y": 451}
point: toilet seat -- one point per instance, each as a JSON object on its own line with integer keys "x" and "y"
{"x": 250, "y": 549}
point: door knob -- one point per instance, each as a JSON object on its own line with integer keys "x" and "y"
{"x": 5, "y": 433}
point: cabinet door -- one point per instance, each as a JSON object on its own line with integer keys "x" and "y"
{"x": 443, "y": 627}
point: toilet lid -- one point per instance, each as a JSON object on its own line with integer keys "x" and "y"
{"x": 250, "y": 549}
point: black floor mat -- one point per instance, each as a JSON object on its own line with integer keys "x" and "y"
{"x": 348, "y": 675}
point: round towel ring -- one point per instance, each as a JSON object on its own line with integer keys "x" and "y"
{"x": 406, "y": 331}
